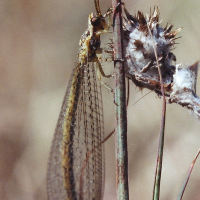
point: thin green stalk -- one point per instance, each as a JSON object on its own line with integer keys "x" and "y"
{"x": 187, "y": 177}
{"x": 121, "y": 153}
{"x": 156, "y": 190}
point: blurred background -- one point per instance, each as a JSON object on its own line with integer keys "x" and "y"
{"x": 38, "y": 48}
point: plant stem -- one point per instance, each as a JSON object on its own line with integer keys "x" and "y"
{"x": 120, "y": 100}
{"x": 156, "y": 189}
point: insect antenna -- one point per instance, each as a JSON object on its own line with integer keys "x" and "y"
{"x": 96, "y": 2}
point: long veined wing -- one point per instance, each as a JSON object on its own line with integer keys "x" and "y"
{"x": 76, "y": 163}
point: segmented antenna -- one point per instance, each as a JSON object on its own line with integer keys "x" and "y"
{"x": 96, "y": 2}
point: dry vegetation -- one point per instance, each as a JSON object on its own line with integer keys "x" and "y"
{"x": 38, "y": 47}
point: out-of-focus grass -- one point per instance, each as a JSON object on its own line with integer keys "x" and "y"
{"x": 39, "y": 43}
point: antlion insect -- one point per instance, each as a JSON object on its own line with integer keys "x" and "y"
{"x": 72, "y": 174}
{"x": 76, "y": 163}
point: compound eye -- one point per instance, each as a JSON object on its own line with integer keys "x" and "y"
{"x": 95, "y": 21}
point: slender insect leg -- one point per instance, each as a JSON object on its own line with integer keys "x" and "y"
{"x": 108, "y": 14}
{"x": 106, "y": 25}
{"x": 100, "y": 73}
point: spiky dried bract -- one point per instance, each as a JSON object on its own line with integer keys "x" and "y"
{"x": 183, "y": 78}
{"x": 184, "y": 87}
{"x": 141, "y": 33}
{"x": 139, "y": 48}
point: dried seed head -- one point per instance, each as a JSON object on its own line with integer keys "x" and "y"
{"x": 139, "y": 46}
{"x": 185, "y": 78}
{"x": 143, "y": 33}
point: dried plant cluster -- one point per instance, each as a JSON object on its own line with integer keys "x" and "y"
{"x": 143, "y": 33}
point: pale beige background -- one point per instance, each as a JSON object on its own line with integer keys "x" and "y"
{"x": 38, "y": 47}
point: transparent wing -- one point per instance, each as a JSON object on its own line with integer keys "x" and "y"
{"x": 76, "y": 163}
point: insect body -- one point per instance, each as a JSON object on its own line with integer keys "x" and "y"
{"x": 76, "y": 163}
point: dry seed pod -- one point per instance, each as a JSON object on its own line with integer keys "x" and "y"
{"x": 140, "y": 57}
{"x": 141, "y": 65}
